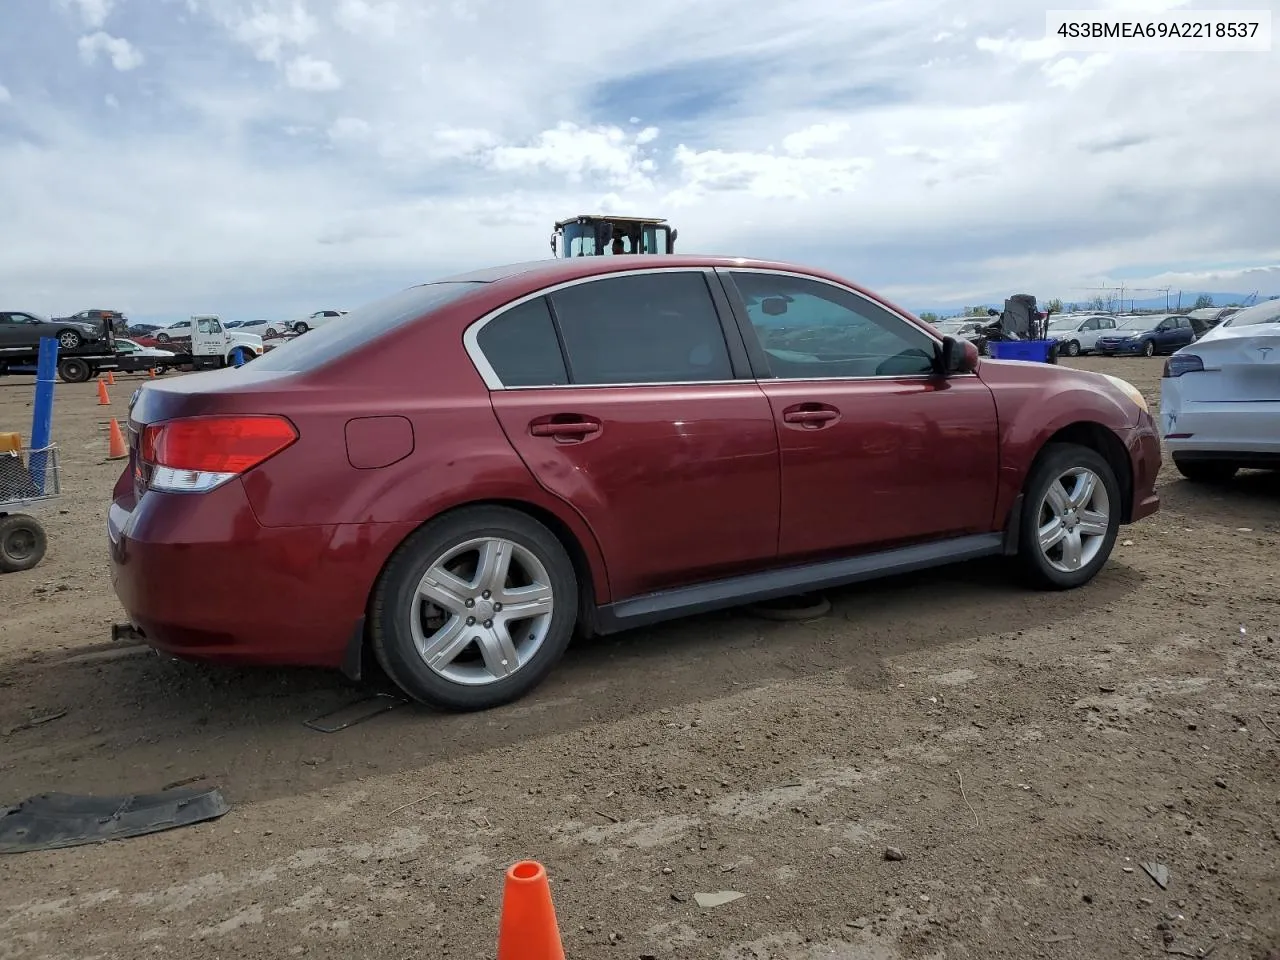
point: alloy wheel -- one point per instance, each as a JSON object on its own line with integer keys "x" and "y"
{"x": 1074, "y": 518}
{"x": 482, "y": 611}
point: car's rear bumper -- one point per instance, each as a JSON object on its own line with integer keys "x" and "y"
{"x": 1218, "y": 426}
{"x": 201, "y": 579}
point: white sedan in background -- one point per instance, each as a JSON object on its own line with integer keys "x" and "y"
{"x": 1220, "y": 397}
{"x": 1079, "y": 333}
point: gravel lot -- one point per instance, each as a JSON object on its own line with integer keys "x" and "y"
{"x": 1025, "y": 752}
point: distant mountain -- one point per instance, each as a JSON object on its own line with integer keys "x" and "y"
{"x": 1152, "y": 303}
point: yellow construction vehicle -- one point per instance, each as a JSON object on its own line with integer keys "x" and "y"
{"x": 594, "y": 235}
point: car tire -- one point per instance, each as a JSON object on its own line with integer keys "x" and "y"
{"x": 403, "y": 620}
{"x": 1050, "y": 567}
{"x": 74, "y": 370}
{"x": 70, "y": 340}
{"x": 23, "y": 542}
{"x": 300, "y": 327}
{"x": 1149, "y": 348}
{"x": 162, "y": 338}
{"x": 1073, "y": 349}
{"x": 1205, "y": 471}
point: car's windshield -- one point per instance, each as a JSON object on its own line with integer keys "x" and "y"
{"x": 1138, "y": 323}
{"x": 1266, "y": 312}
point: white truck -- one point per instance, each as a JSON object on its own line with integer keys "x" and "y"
{"x": 204, "y": 342}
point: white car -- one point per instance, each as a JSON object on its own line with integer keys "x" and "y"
{"x": 1079, "y": 333}
{"x": 317, "y": 319}
{"x": 1220, "y": 397}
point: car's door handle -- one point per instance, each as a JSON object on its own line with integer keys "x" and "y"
{"x": 564, "y": 428}
{"x": 811, "y": 414}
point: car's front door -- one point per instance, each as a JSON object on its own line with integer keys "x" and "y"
{"x": 877, "y": 449}
{"x": 1166, "y": 335}
{"x": 1087, "y": 335}
{"x": 620, "y": 395}
{"x": 1184, "y": 333}
{"x": 1106, "y": 326}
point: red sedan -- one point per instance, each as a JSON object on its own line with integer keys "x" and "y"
{"x": 459, "y": 476}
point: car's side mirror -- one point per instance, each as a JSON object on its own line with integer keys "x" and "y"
{"x": 957, "y": 356}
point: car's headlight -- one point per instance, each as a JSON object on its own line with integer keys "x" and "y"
{"x": 1130, "y": 391}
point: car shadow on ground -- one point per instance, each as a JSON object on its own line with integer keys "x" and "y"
{"x": 1252, "y": 495}
{"x": 135, "y": 721}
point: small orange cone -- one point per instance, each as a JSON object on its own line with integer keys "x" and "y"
{"x": 103, "y": 399}
{"x": 528, "y": 928}
{"x": 111, "y": 378}
{"x": 116, "y": 448}
{"x": 151, "y": 372}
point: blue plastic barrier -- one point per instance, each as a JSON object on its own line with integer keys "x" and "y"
{"x": 1035, "y": 351}
{"x": 42, "y": 412}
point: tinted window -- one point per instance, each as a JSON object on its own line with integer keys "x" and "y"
{"x": 332, "y": 341}
{"x": 651, "y": 328}
{"x": 810, "y": 330}
{"x": 522, "y": 348}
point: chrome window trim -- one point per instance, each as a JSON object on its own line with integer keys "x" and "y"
{"x": 471, "y": 343}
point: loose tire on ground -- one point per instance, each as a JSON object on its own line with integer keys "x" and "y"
{"x": 23, "y": 542}
{"x": 1044, "y": 569}
{"x": 1205, "y": 471}
{"x": 396, "y": 602}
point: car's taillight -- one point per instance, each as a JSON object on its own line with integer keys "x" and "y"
{"x": 1181, "y": 363}
{"x": 197, "y": 454}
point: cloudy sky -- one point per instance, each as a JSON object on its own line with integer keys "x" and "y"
{"x": 273, "y": 157}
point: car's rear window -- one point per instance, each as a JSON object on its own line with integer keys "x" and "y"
{"x": 1266, "y": 312}
{"x": 342, "y": 335}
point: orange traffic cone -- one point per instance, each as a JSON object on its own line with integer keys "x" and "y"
{"x": 111, "y": 378}
{"x": 151, "y": 372}
{"x": 103, "y": 399}
{"x": 116, "y": 448}
{"x": 528, "y": 928}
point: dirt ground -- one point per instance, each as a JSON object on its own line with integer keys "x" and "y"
{"x": 1025, "y": 752}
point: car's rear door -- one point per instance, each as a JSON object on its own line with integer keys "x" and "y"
{"x": 877, "y": 449}
{"x": 628, "y": 398}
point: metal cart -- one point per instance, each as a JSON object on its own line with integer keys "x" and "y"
{"x": 28, "y": 479}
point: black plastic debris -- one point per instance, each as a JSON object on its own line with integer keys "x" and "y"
{"x": 55, "y": 820}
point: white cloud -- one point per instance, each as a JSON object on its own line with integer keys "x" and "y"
{"x": 363, "y": 18}
{"x": 5, "y": 95}
{"x": 267, "y": 31}
{"x": 93, "y": 13}
{"x": 308, "y": 73}
{"x": 124, "y": 55}
{"x": 956, "y": 156}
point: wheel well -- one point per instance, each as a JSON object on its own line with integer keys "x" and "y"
{"x": 358, "y": 647}
{"x": 1097, "y": 437}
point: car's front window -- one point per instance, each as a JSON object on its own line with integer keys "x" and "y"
{"x": 1138, "y": 323}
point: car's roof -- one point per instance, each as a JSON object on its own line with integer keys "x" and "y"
{"x": 551, "y": 271}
